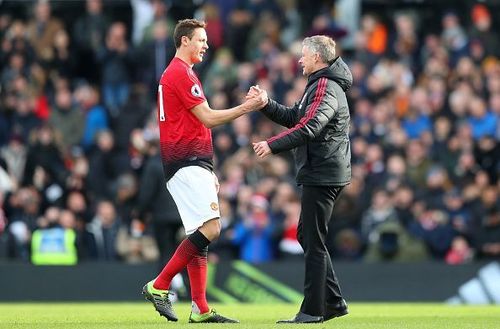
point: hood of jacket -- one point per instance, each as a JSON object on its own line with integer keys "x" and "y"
{"x": 338, "y": 71}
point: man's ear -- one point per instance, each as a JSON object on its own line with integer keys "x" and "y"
{"x": 184, "y": 40}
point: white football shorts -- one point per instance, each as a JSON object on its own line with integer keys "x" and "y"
{"x": 194, "y": 192}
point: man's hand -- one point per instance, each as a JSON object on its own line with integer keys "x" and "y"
{"x": 253, "y": 91}
{"x": 256, "y": 98}
{"x": 262, "y": 149}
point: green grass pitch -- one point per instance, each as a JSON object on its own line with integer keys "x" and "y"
{"x": 143, "y": 316}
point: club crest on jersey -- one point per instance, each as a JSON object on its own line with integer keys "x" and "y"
{"x": 196, "y": 90}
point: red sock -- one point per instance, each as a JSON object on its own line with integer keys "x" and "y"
{"x": 197, "y": 271}
{"x": 183, "y": 254}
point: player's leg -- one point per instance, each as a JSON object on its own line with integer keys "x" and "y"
{"x": 197, "y": 271}
{"x": 208, "y": 210}
{"x": 184, "y": 187}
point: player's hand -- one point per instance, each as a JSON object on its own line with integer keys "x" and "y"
{"x": 253, "y": 91}
{"x": 256, "y": 98}
{"x": 262, "y": 149}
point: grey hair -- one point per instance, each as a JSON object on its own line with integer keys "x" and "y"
{"x": 322, "y": 45}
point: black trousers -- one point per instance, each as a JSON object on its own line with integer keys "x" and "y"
{"x": 166, "y": 239}
{"x": 321, "y": 286}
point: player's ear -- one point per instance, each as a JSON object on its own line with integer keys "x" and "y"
{"x": 184, "y": 40}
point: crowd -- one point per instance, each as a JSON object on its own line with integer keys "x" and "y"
{"x": 79, "y": 166}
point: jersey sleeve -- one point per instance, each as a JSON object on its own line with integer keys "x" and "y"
{"x": 189, "y": 89}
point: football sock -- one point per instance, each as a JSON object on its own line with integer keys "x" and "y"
{"x": 189, "y": 248}
{"x": 197, "y": 271}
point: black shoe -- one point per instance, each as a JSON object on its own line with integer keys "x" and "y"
{"x": 303, "y": 318}
{"x": 160, "y": 300}
{"x": 210, "y": 317}
{"x": 336, "y": 310}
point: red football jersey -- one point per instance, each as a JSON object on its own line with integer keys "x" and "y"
{"x": 184, "y": 140}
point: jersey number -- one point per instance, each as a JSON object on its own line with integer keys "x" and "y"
{"x": 160, "y": 103}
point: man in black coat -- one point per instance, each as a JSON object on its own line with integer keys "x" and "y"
{"x": 319, "y": 136}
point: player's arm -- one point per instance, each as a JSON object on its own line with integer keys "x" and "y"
{"x": 213, "y": 118}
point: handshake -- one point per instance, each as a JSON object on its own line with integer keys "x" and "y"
{"x": 256, "y": 98}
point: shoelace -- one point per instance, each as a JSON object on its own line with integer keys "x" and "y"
{"x": 163, "y": 300}
{"x": 217, "y": 316}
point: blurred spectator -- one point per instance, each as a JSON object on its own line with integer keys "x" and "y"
{"x": 487, "y": 214}
{"x": 116, "y": 60}
{"x": 239, "y": 26}
{"x": 66, "y": 119}
{"x": 253, "y": 234}
{"x": 156, "y": 52}
{"x": 14, "y": 154}
{"x": 160, "y": 13}
{"x": 102, "y": 232}
{"x": 458, "y": 213}
{"x": 371, "y": 40}
{"x": 24, "y": 120}
{"x": 133, "y": 115}
{"x": 434, "y": 228}
{"x": 63, "y": 62}
{"x": 482, "y": 122}
{"x": 289, "y": 246}
{"x": 142, "y": 15}
{"x": 405, "y": 43}
{"x": 94, "y": 115}
{"x": 23, "y": 209}
{"x": 43, "y": 153}
{"x": 6, "y": 181}
{"x": 222, "y": 74}
{"x": 106, "y": 164}
{"x": 88, "y": 34}
{"x": 381, "y": 211}
{"x": 125, "y": 199}
{"x": 76, "y": 203}
{"x": 135, "y": 249}
{"x": 209, "y": 12}
{"x": 437, "y": 182}
{"x": 3, "y": 225}
{"x": 482, "y": 30}
{"x": 453, "y": 35}
{"x": 460, "y": 252}
{"x": 418, "y": 163}
{"x": 391, "y": 242}
{"x": 54, "y": 242}
{"x": 42, "y": 30}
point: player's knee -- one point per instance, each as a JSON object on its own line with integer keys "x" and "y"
{"x": 216, "y": 227}
{"x": 211, "y": 229}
